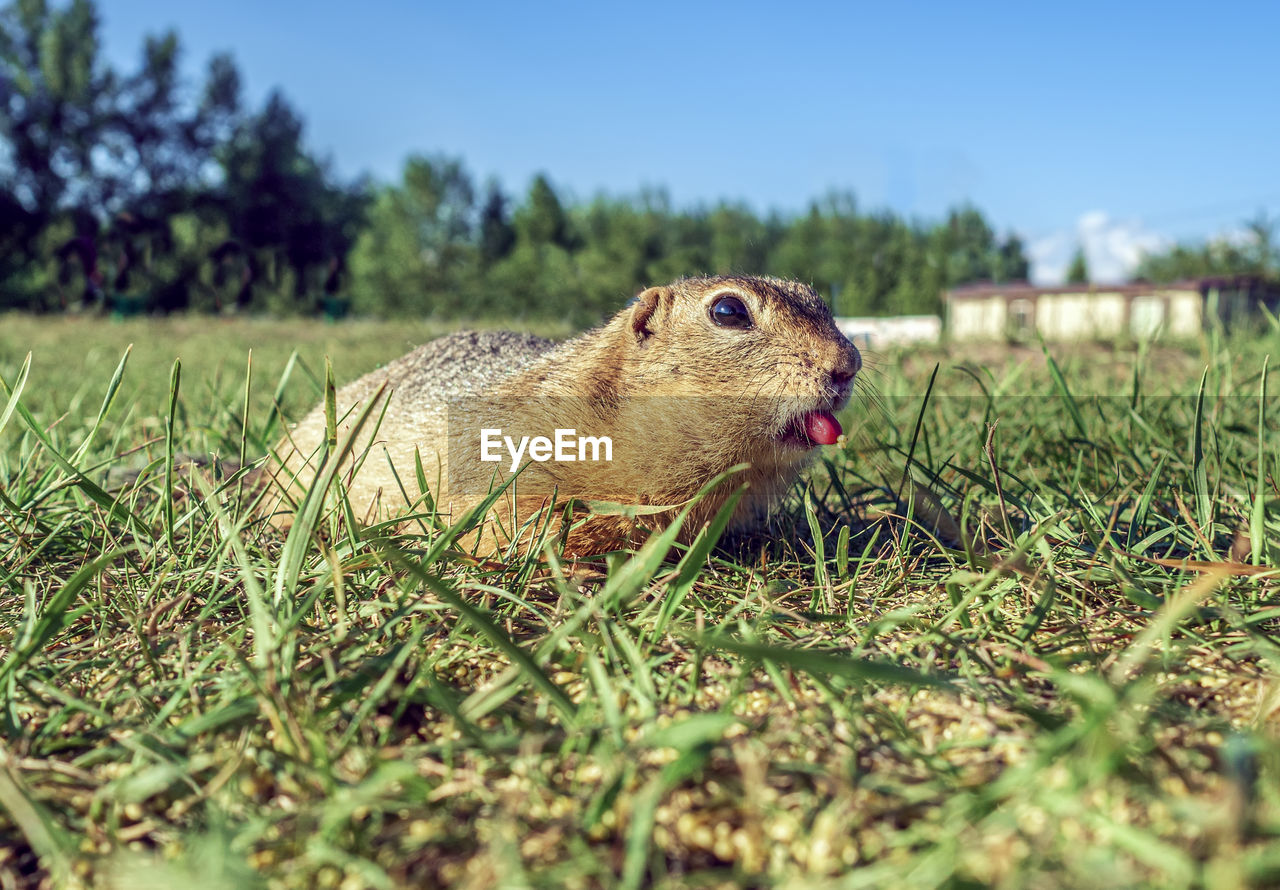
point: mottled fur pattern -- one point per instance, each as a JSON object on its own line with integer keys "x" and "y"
{"x": 684, "y": 399}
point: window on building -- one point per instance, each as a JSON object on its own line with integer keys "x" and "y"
{"x": 1022, "y": 319}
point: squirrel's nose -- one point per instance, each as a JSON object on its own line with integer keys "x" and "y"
{"x": 848, "y": 362}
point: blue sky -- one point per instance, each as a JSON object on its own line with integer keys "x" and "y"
{"x": 1115, "y": 125}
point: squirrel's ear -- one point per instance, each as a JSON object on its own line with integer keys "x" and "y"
{"x": 649, "y": 312}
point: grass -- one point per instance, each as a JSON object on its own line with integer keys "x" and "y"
{"x": 1023, "y": 634}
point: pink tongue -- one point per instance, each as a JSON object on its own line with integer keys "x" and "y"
{"x": 822, "y": 427}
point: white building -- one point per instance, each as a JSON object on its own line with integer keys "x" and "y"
{"x": 875, "y": 333}
{"x": 1100, "y": 312}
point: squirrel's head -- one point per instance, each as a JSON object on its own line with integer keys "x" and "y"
{"x": 763, "y": 352}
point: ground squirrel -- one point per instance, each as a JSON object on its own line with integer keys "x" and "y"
{"x": 688, "y": 380}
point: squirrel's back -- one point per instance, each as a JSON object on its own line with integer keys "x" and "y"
{"x": 417, "y": 389}
{"x": 454, "y": 366}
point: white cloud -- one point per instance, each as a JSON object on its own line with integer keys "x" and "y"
{"x": 1112, "y": 248}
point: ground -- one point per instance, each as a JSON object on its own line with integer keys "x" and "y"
{"x": 1044, "y": 656}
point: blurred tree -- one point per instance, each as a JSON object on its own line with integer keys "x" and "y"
{"x": 801, "y": 252}
{"x": 1265, "y": 251}
{"x": 542, "y": 219}
{"x": 918, "y": 283}
{"x": 970, "y": 247}
{"x": 77, "y": 138}
{"x": 1253, "y": 252}
{"x": 497, "y": 236}
{"x": 619, "y": 242}
{"x": 55, "y": 95}
{"x": 739, "y": 240}
{"x": 202, "y": 269}
{"x": 79, "y": 134}
{"x": 1078, "y": 271}
{"x": 541, "y": 275}
{"x": 418, "y": 252}
{"x": 284, "y": 206}
{"x": 159, "y": 147}
{"x": 139, "y": 187}
{"x": 1010, "y": 262}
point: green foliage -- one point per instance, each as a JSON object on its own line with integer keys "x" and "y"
{"x": 421, "y": 254}
{"x": 52, "y": 88}
{"x": 282, "y": 206}
{"x": 136, "y": 191}
{"x": 417, "y": 249}
{"x": 1257, "y": 253}
{"x": 140, "y": 192}
{"x": 583, "y": 262}
{"x": 111, "y": 162}
{"x": 497, "y": 236}
{"x": 542, "y": 219}
{"x": 1078, "y": 271}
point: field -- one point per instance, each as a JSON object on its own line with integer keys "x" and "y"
{"x": 1021, "y": 633}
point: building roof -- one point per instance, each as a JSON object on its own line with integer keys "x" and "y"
{"x": 981, "y": 289}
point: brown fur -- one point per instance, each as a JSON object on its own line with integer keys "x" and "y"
{"x": 682, "y": 399}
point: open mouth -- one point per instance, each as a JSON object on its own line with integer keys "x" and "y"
{"x": 809, "y": 430}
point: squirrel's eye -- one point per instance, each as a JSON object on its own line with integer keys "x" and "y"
{"x": 730, "y": 312}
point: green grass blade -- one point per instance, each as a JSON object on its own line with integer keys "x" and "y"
{"x": 821, "y": 579}
{"x": 694, "y": 559}
{"x": 277, "y": 399}
{"x": 170, "y": 449}
{"x": 15, "y": 392}
{"x": 244, "y": 410}
{"x": 1258, "y": 515}
{"x": 298, "y": 540}
{"x": 916, "y": 432}
{"x": 91, "y": 489}
{"x": 495, "y": 634}
{"x": 1060, "y": 384}
{"x": 57, "y": 613}
{"x": 107, "y": 400}
{"x": 52, "y": 844}
{"x": 1199, "y": 474}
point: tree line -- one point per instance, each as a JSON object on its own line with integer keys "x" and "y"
{"x": 140, "y": 191}
{"x": 1253, "y": 252}
{"x": 139, "y": 188}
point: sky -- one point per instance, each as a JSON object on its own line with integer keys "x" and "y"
{"x": 1119, "y": 127}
